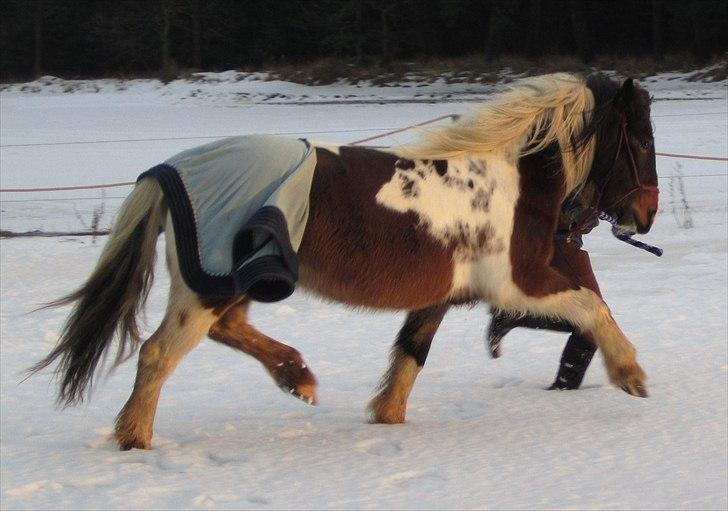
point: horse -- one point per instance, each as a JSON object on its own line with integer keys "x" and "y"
{"x": 465, "y": 214}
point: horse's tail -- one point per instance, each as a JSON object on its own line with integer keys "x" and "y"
{"x": 108, "y": 302}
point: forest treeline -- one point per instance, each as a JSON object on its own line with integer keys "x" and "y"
{"x": 92, "y": 38}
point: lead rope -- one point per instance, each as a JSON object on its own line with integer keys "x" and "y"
{"x": 628, "y": 239}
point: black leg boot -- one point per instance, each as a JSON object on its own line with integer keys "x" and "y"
{"x": 575, "y": 359}
{"x": 500, "y": 324}
{"x": 503, "y": 322}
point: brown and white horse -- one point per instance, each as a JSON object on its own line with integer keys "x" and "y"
{"x": 468, "y": 214}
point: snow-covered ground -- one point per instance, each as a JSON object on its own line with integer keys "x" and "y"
{"x": 481, "y": 434}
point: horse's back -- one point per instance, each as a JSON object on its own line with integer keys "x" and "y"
{"x": 355, "y": 250}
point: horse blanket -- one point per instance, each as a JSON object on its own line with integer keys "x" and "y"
{"x": 239, "y": 208}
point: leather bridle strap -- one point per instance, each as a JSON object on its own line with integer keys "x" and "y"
{"x": 638, "y": 185}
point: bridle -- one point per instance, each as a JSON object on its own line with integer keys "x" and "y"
{"x": 592, "y": 212}
{"x": 639, "y": 186}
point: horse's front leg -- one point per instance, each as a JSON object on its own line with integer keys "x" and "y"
{"x": 409, "y": 354}
{"x": 549, "y": 293}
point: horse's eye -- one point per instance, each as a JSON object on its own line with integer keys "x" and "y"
{"x": 645, "y": 144}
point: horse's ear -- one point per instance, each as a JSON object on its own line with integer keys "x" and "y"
{"x": 626, "y": 93}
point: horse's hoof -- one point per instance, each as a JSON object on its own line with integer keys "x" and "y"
{"x": 128, "y": 445}
{"x": 305, "y": 393}
{"x": 635, "y": 389}
{"x": 380, "y": 418}
{"x": 382, "y": 412}
{"x": 631, "y": 379}
{"x": 295, "y": 378}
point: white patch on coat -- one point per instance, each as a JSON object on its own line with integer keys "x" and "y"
{"x": 475, "y": 195}
{"x": 491, "y": 273}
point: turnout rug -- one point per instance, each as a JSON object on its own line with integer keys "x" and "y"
{"x": 239, "y": 208}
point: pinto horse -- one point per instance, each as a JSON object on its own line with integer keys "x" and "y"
{"x": 465, "y": 215}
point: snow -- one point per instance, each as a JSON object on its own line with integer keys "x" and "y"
{"x": 481, "y": 434}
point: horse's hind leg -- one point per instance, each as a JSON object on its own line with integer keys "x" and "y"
{"x": 408, "y": 356}
{"x": 284, "y": 363}
{"x": 183, "y": 327}
{"x": 185, "y": 323}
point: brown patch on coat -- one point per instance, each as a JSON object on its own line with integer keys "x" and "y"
{"x": 456, "y": 182}
{"x": 536, "y": 216}
{"x": 477, "y": 167}
{"x": 471, "y": 246}
{"x": 488, "y": 242}
{"x": 408, "y": 186}
{"x": 404, "y": 164}
{"x": 573, "y": 262}
{"x": 481, "y": 200}
{"x": 182, "y": 319}
{"x": 356, "y": 251}
{"x": 440, "y": 166}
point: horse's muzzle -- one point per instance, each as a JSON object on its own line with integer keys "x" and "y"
{"x": 644, "y": 220}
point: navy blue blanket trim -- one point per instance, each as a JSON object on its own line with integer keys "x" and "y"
{"x": 266, "y": 279}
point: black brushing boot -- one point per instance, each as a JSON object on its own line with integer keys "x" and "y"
{"x": 503, "y": 322}
{"x": 575, "y": 359}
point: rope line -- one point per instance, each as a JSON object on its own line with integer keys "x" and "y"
{"x": 164, "y": 139}
{"x": 400, "y": 130}
{"x": 129, "y": 183}
{"x": 64, "y": 199}
{"x": 356, "y": 142}
{"x": 211, "y": 137}
{"x": 61, "y": 199}
{"x": 692, "y": 156}
{"x": 64, "y": 188}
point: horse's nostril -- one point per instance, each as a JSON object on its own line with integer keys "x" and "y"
{"x": 651, "y": 215}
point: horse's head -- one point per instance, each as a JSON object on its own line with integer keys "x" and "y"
{"x": 624, "y": 173}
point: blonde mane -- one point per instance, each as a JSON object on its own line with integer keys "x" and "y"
{"x": 525, "y": 119}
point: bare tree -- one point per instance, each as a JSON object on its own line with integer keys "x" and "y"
{"x": 534, "y": 48}
{"x": 496, "y": 28}
{"x": 38, "y": 15}
{"x": 697, "y": 23}
{"x": 167, "y": 64}
{"x": 196, "y": 34}
{"x": 385, "y": 9}
{"x": 658, "y": 19}
{"x": 580, "y": 29}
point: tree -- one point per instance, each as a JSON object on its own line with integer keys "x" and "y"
{"x": 496, "y": 28}
{"x": 38, "y": 15}
{"x": 197, "y": 8}
{"x": 658, "y": 50}
{"x": 580, "y": 29}
{"x": 386, "y": 10}
{"x": 534, "y": 45}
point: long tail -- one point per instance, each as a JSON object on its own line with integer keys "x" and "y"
{"x": 109, "y": 301}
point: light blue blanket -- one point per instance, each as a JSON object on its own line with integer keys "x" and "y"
{"x": 239, "y": 207}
